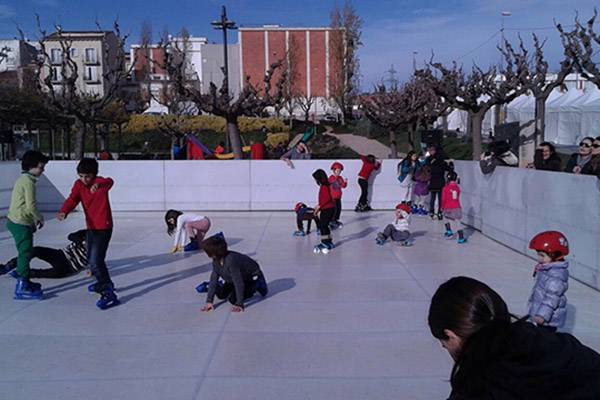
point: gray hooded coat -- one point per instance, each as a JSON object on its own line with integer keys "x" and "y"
{"x": 547, "y": 297}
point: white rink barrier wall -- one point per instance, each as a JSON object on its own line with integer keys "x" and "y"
{"x": 510, "y": 205}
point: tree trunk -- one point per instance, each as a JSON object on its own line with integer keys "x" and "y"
{"x": 445, "y": 122}
{"x": 540, "y": 120}
{"x": 393, "y": 146}
{"x": 411, "y": 135}
{"x": 234, "y": 138}
{"x": 173, "y": 142}
{"x": 79, "y": 139}
{"x": 476, "y": 122}
{"x": 469, "y": 132}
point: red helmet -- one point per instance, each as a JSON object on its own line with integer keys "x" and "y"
{"x": 299, "y": 205}
{"x": 404, "y": 207}
{"x": 550, "y": 242}
{"x": 337, "y": 165}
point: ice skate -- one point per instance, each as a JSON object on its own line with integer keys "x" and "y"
{"x": 219, "y": 235}
{"x": 203, "y": 287}
{"x": 321, "y": 248}
{"x": 462, "y": 240}
{"x": 109, "y": 298}
{"x": 27, "y": 290}
{"x": 414, "y": 209}
{"x": 380, "y": 239}
{"x": 448, "y": 234}
{"x": 260, "y": 286}
{"x": 299, "y": 233}
{"x": 192, "y": 246}
{"x": 406, "y": 243}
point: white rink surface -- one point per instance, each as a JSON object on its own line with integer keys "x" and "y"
{"x": 351, "y": 324}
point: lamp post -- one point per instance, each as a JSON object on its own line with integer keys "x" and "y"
{"x": 504, "y": 14}
{"x": 224, "y": 24}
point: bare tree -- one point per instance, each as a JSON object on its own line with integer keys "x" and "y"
{"x": 59, "y": 86}
{"x": 288, "y": 98}
{"x": 250, "y": 102}
{"x": 345, "y": 39}
{"x": 480, "y": 90}
{"x": 305, "y": 102}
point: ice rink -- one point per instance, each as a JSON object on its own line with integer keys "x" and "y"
{"x": 351, "y": 324}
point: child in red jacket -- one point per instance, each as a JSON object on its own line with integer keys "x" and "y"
{"x": 91, "y": 191}
{"x": 451, "y": 207}
{"x": 370, "y": 163}
{"x": 337, "y": 183}
{"x": 325, "y": 209}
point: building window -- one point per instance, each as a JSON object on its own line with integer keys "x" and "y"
{"x": 56, "y": 74}
{"x": 74, "y": 52}
{"x": 90, "y": 74}
{"x": 55, "y": 56}
{"x": 90, "y": 56}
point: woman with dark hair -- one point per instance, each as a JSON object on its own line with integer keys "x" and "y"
{"x": 325, "y": 208}
{"x": 582, "y": 157}
{"x": 593, "y": 166}
{"x": 498, "y": 356}
{"x": 499, "y": 155}
{"x": 546, "y": 159}
{"x": 406, "y": 169}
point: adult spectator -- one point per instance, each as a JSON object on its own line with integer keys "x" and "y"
{"x": 546, "y": 159}
{"x": 579, "y": 159}
{"x": 497, "y": 356}
{"x": 499, "y": 155}
{"x": 298, "y": 152}
{"x": 593, "y": 166}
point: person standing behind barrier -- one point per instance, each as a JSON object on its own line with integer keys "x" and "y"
{"x": 546, "y": 159}
{"x": 593, "y": 166}
{"x": 499, "y": 155}
{"x": 369, "y": 163}
{"x": 578, "y": 160}
{"x": 337, "y": 183}
{"x": 299, "y": 152}
{"x": 497, "y": 356}
{"x": 406, "y": 168}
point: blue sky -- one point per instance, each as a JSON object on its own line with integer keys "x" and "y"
{"x": 463, "y": 30}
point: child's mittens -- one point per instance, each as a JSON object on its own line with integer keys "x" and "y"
{"x": 175, "y": 249}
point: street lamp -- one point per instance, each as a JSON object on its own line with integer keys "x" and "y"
{"x": 223, "y": 25}
{"x": 504, "y": 14}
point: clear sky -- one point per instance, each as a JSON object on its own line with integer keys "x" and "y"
{"x": 394, "y": 31}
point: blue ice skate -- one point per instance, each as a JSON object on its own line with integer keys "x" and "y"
{"x": 27, "y": 290}
{"x": 462, "y": 240}
{"x": 109, "y": 298}
{"x": 8, "y": 268}
{"x": 191, "y": 246}
{"x": 299, "y": 233}
{"x": 380, "y": 239}
{"x": 406, "y": 242}
{"x": 14, "y": 274}
{"x": 338, "y": 224}
{"x": 448, "y": 234}
{"x": 203, "y": 287}
{"x": 421, "y": 211}
{"x": 219, "y": 235}
{"x": 414, "y": 209}
{"x": 321, "y": 248}
{"x": 318, "y": 231}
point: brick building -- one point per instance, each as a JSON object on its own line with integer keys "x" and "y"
{"x": 307, "y": 52}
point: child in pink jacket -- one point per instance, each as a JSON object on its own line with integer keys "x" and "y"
{"x": 451, "y": 207}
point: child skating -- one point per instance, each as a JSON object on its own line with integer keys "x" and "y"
{"x": 91, "y": 191}
{"x": 241, "y": 275}
{"x": 451, "y": 210}
{"x": 192, "y": 225}
{"x": 420, "y": 190}
{"x": 547, "y": 305}
{"x": 399, "y": 230}
{"x": 305, "y": 213}
{"x": 370, "y": 163}
{"x": 337, "y": 183}
{"x": 325, "y": 209}
{"x": 23, "y": 220}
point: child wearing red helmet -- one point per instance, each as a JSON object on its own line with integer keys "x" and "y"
{"x": 547, "y": 303}
{"x": 398, "y": 231}
{"x": 304, "y": 213}
{"x": 336, "y": 184}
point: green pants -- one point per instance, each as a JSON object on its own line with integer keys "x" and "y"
{"x": 23, "y": 236}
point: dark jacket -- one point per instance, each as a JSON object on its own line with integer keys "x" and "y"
{"x": 575, "y": 160}
{"x": 588, "y": 169}
{"x": 438, "y": 168}
{"x": 238, "y": 269}
{"x": 523, "y": 361}
{"x": 553, "y": 163}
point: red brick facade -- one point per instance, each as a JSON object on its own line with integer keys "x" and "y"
{"x": 304, "y": 46}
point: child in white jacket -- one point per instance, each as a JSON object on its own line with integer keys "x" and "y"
{"x": 182, "y": 225}
{"x": 398, "y": 231}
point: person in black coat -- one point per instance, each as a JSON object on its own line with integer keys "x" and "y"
{"x": 498, "y": 356}
{"x": 438, "y": 167}
{"x": 546, "y": 159}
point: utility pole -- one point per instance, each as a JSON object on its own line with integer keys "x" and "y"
{"x": 223, "y": 25}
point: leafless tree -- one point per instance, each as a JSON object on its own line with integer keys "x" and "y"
{"x": 580, "y": 45}
{"x": 305, "y": 102}
{"x": 62, "y": 94}
{"x": 251, "y": 101}
{"x": 345, "y": 40}
{"x": 479, "y": 91}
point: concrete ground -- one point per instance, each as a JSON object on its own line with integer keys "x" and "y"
{"x": 347, "y": 325}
